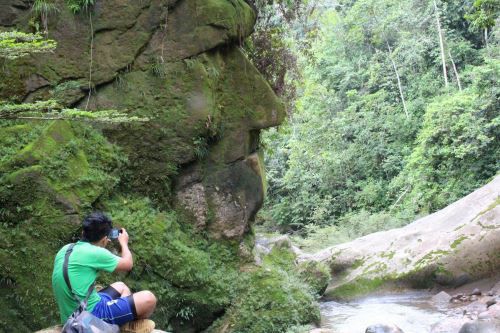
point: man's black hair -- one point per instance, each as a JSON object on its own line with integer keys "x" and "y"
{"x": 95, "y": 226}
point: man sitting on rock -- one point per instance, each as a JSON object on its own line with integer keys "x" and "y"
{"x": 114, "y": 304}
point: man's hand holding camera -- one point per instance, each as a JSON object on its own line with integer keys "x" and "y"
{"x": 123, "y": 237}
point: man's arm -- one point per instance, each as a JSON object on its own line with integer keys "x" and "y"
{"x": 126, "y": 262}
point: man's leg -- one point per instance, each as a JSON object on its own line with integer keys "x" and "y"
{"x": 116, "y": 290}
{"x": 145, "y": 304}
{"x": 121, "y": 288}
{"x": 145, "y": 301}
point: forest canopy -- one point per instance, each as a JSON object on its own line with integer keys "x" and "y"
{"x": 394, "y": 110}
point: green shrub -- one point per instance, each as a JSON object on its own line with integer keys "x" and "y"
{"x": 78, "y": 5}
{"x": 270, "y": 300}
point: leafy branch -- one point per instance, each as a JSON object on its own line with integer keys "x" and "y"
{"x": 52, "y": 110}
{"x": 15, "y": 44}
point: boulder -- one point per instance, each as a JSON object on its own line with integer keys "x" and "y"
{"x": 495, "y": 290}
{"x": 441, "y": 297}
{"x": 449, "y": 325}
{"x": 479, "y": 326}
{"x": 476, "y": 292}
{"x": 476, "y": 307}
{"x": 453, "y": 246}
{"x": 490, "y": 302}
{"x": 494, "y": 311}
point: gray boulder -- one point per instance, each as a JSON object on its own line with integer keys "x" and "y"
{"x": 451, "y": 247}
{"x": 476, "y": 307}
{"x": 449, "y": 325}
{"x": 442, "y": 297}
{"x": 495, "y": 290}
{"x": 481, "y": 327}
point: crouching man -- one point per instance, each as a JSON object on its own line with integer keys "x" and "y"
{"x": 114, "y": 304}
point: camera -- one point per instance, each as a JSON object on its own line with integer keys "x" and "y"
{"x": 114, "y": 233}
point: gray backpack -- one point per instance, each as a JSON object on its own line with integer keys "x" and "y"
{"x": 82, "y": 321}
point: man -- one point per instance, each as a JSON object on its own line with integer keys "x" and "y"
{"x": 114, "y": 304}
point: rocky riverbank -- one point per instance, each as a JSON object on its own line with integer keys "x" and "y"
{"x": 470, "y": 308}
{"x": 450, "y": 248}
{"x": 453, "y": 254}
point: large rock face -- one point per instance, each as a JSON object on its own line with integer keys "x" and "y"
{"x": 187, "y": 184}
{"x": 451, "y": 247}
{"x": 177, "y": 63}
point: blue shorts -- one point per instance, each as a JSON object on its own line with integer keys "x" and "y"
{"x": 114, "y": 309}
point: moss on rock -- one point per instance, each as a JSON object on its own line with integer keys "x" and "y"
{"x": 170, "y": 61}
{"x": 349, "y": 290}
{"x": 49, "y": 183}
{"x": 269, "y": 300}
{"x": 316, "y": 274}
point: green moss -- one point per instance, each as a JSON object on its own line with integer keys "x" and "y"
{"x": 26, "y": 259}
{"x": 316, "y": 274}
{"x": 189, "y": 275}
{"x": 359, "y": 286}
{"x": 376, "y": 268}
{"x": 490, "y": 227}
{"x": 490, "y": 207}
{"x": 12, "y": 76}
{"x": 52, "y": 174}
{"x": 233, "y": 15}
{"x": 418, "y": 278}
{"x": 389, "y": 255}
{"x": 270, "y": 301}
{"x": 48, "y": 183}
{"x": 457, "y": 241}
{"x": 245, "y": 95}
{"x": 55, "y": 134}
{"x": 430, "y": 257}
{"x": 195, "y": 279}
{"x": 281, "y": 256}
{"x": 182, "y": 111}
{"x": 14, "y": 136}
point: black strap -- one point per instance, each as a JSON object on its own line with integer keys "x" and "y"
{"x": 65, "y": 266}
{"x": 83, "y": 303}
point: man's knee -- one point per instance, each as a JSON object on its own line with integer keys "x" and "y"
{"x": 145, "y": 303}
{"x": 149, "y": 298}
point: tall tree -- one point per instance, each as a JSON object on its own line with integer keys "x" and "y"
{"x": 441, "y": 42}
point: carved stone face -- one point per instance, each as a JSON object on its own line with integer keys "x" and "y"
{"x": 179, "y": 64}
{"x": 207, "y": 104}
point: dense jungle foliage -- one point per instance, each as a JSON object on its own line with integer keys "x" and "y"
{"x": 395, "y": 111}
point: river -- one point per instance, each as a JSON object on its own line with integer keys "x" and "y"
{"x": 412, "y": 311}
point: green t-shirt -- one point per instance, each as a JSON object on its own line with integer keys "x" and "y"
{"x": 84, "y": 262}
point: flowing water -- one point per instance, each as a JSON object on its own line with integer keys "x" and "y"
{"x": 412, "y": 311}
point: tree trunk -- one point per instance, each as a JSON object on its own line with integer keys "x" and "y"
{"x": 400, "y": 86}
{"x": 441, "y": 43}
{"x": 456, "y": 71}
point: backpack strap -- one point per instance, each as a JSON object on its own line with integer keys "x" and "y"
{"x": 83, "y": 304}
{"x": 65, "y": 266}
